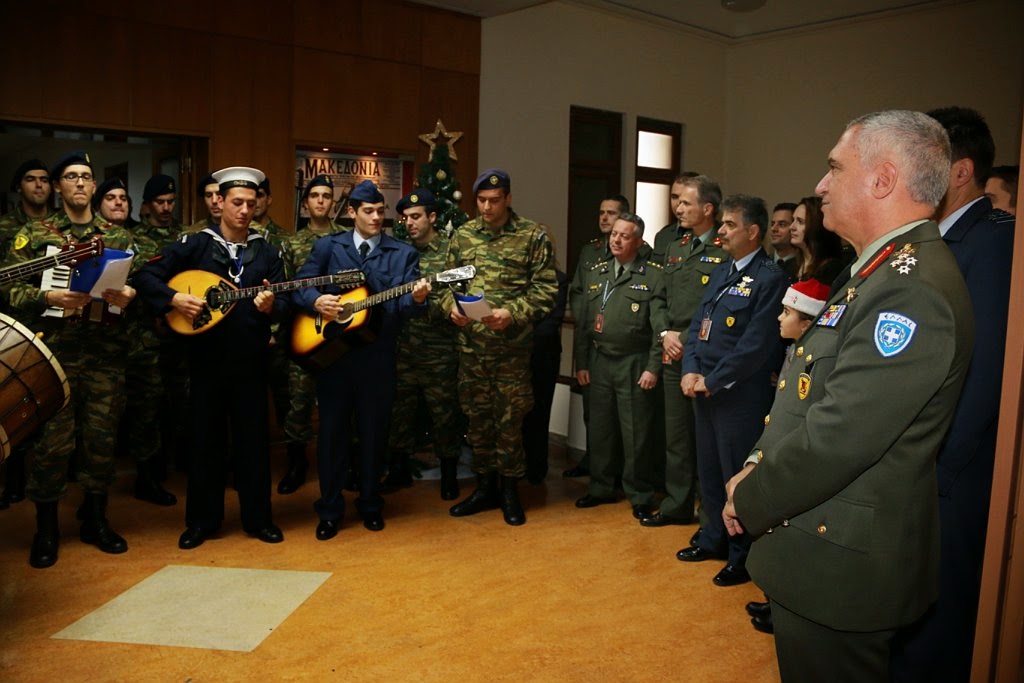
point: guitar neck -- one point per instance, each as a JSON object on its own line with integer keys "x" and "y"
{"x": 250, "y": 292}
{"x": 389, "y": 294}
{"x": 37, "y": 265}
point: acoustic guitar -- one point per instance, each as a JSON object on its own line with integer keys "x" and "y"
{"x": 316, "y": 344}
{"x": 220, "y": 296}
{"x": 69, "y": 255}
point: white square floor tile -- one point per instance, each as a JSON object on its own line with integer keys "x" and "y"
{"x": 206, "y": 607}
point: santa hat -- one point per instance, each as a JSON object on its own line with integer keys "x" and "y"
{"x": 807, "y": 296}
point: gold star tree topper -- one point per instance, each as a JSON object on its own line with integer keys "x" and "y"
{"x": 442, "y": 136}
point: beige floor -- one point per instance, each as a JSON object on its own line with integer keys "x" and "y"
{"x": 574, "y": 595}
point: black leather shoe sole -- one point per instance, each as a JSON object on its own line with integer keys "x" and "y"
{"x": 698, "y": 554}
{"x": 659, "y": 520}
{"x": 105, "y": 539}
{"x": 642, "y": 512}
{"x": 268, "y": 534}
{"x": 763, "y": 624}
{"x": 731, "y": 576}
{"x": 193, "y": 537}
{"x": 326, "y": 529}
{"x": 589, "y": 501}
{"x": 758, "y": 609}
{"x": 373, "y": 522}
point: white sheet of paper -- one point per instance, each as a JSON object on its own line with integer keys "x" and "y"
{"x": 114, "y": 276}
{"x": 473, "y": 306}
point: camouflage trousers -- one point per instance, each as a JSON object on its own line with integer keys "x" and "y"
{"x": 91, "y": 418}
{"x": 495, "y": 393}
{"x": 293, "y": 391}
{"x": 433, "y": 375}
{"x": 144, "y": 389}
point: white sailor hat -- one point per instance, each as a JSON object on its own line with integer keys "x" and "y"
{"x": 238, "y": 176}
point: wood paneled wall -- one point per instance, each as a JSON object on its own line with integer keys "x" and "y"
{"x": 257, "y": 78}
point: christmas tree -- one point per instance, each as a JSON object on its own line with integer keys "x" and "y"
{"x": 438, "y": 176}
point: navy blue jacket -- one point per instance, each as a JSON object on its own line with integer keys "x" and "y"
{"x": 390, "y": 264}
{"x": 982, "y": 243}
{"x": 744, "y": 343}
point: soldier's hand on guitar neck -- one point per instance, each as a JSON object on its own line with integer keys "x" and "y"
{"x": 188, "y": 305}
{"x": 264, "y": 301}
{"x": 420, "y": 290}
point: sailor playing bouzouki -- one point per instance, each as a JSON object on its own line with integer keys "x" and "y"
{"x": 227, "y": 363}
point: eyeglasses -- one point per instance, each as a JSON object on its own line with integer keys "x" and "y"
{"x": 75, "y": 177}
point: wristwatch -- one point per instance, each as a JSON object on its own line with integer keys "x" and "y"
{"x": 661, "y": 335}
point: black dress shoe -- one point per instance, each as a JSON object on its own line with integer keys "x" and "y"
{"x": 326, "y": 529}
{"x": 268, "y": 534}
{"x": 576, "y": 471}
{"x": 658, "y": 519}
{"x": 642, "y": 512}
{"x": 373, "y": 521}
{"x": 44, "y": 551}
{"x": 193, "y": 537}
{"x": 731, "y": 576}
{"x": 698, "y": 554}
{"x": 763, "y": 624}
{"x": 151, "y": 491}
{"x": 695, "y": 537}
{"x": 589, "y": 501}
{"x": 758, "y": 609}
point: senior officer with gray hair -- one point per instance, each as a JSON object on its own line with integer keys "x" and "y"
{"x": 840, "y": 492}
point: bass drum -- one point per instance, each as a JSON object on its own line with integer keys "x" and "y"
{"x": 33, "y": 386}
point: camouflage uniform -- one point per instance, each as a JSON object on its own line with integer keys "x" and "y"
{"x": 155, "y": 361}
{"x": 92, "y": 356}
{"x": 11, "y": 224}
{"x": 688, "y": 265}
{"x": 515, "y": 270}
{"x": 296, "y": 414}
{"x": 428, "y": 364}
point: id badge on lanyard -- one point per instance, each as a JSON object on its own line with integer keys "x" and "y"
{"x": 705, "y": 330}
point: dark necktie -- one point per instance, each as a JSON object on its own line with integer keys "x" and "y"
{"x": 364, "y": 249}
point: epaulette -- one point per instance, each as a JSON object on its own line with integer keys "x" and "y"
{"x": 598, "y": 264}
{"x": 1000, "y": 216}
{"x": 656, "y": 265}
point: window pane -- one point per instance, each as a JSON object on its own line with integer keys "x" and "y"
{"x": 653, "y": 150}
{"x": 652, "y": 206}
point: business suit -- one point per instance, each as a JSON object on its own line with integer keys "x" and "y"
{"x": 736, "y": 359}
{"x": 362, "y": 382}
{"x": 940, "y": 647}
{"x": 689, "y": 263}
{"x": 843, "y": 504}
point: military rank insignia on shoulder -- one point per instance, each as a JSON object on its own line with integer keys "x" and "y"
{"x": 599, "y": 265}
{"x": 655, "y": 265}
{"x": 831, "y": 315}
{"x": 905, "y": 260}
{"x": 893, "y": 333}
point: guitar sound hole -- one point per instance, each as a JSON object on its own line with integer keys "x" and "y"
{"x": 345, "y": 314}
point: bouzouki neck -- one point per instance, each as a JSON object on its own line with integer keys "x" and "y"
{"x": 230, "y": 296}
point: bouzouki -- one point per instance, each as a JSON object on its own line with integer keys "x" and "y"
{"x": 69, "y": 255}
{"x": 220, "y": 296}
{"x": 316, "y": 344}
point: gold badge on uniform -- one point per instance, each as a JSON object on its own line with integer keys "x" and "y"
{"x": 704, "y": 279}
{"x": 635, "y": 307}
{"x": 20, "y": 241}
{"x": 803, "y": 385}
{"x": 730, "y": 321}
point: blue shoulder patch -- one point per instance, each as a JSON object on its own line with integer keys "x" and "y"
{"x": 893, "y": 333}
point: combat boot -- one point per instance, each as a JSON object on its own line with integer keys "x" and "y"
{"x": 398, "y": 476}
{"x": 47, "y": 538}
{"x": 297, "y": 465}
{"x": 14, "y": 483}
{"x": 148, "y": 488}
{"x": 95, "y": 528}
{"x": 511, "y": 508}
{"x": 449, "y": 478}
{"x": 485, "y": 497}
